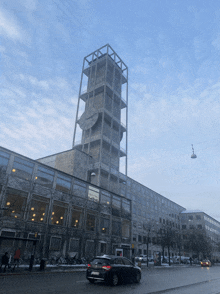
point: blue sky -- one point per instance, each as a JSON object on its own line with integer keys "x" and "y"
{"x": 172, "y": 51}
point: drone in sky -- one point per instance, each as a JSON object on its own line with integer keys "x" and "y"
{"x": 193, "y": 154}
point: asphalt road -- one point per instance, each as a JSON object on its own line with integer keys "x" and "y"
{"x": 169, "y": 280}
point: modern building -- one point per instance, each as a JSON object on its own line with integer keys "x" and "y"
{"x": 65, "y": 215}
{"x": 96, "y": 157}
{"x": 198, "y": 222}
{"x": 80, "y": 201}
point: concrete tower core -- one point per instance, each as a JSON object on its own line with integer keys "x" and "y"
{"x": 104, "y": 93}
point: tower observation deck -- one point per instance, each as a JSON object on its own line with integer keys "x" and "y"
{"x": 103, "y": 98}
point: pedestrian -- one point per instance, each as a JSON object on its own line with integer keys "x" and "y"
{"x": 17, "y": 257}
{"x": 190, "y": 260}
{"x": 5, "y": 260}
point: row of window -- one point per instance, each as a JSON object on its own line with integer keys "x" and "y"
{"x": 55, "y": 241}
{"x": 212, "y": 230}
{"x": 191, "y": 217}
{"x": 143, "y": 239}
{"x": 169, "y": 223}
{"x": 38, "y": 211}
{"x": 208, "y": 219}
{"x": 45, "y": 176}
{"x": 191, "y": 227}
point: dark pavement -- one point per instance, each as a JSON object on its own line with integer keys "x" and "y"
{"x": 170, "y": 280}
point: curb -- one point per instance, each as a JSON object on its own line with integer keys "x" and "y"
{"x": 36, "y": 271}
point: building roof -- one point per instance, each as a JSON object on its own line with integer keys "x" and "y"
{"x": 192, "y": 211}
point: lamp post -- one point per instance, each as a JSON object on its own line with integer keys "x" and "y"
{"x": 33, "y": 253}
{"x": 148, "y": 236}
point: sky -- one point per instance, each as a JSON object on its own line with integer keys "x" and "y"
{"x": 172, "y": 50}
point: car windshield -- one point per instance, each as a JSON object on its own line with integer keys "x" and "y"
{"x": 102, "y": 261}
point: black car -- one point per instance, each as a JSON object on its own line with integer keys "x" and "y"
{"x": 112, "y": 270}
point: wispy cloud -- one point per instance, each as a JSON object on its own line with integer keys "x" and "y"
{"x": 43, "y": 121}
{"x": 10, "y": 28}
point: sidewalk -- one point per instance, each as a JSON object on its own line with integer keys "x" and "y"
{"x": 24, "y": 269}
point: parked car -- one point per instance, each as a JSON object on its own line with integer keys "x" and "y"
{"x": 141, "y": 258}
{"x": 112, "y": 270}
{"x": 206, "y": 262}
{"x": 185, "y": 260}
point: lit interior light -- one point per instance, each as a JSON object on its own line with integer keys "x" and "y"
{"x": 43, "y": 213}
{"x": 107, "y": 202}
{"x": 103, "y": 229}
{"x": 35, "y": 178}
{"x": 8, "y": 203}
{"x": 16, "y": 216}
{"x": 57, "y": 222}
{"x": 32, "y": 219}
{"x": 32, "y": 208}
{"x": 14, "y": 170}
{"x": 51, "y": 218}
{"x": 34, "y": 214}
{"x": 13, "y": 211}
{"x": 76, "y": 220}
{"x": 41, "y": 219}
{"x": 53, "y": 213}
{"x": 61, "y": 217}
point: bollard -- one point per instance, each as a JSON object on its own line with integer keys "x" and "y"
{"x": 42, "y": 264}
{"x": 31, "y": 263}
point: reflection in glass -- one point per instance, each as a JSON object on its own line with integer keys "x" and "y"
{"x": 93, "y": 194}
{"x": 90, "y": 222}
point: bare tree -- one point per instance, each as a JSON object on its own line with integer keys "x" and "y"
{"x": 167, "y": 237}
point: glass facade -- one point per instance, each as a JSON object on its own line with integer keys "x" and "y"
{"x": 93, "y": 194}
{"x": 39, "y": 209}
{"x": 105, "y": 198}
{"x": 45, "y": 176}
{"x": 116, "y": 205}
{"x": 104, "y": 225}
{"x": 79, "y": 188}
{"x": 73, "y": 210}
{"x": 55, "y": 243}
{"x": 116, "y": 228}
{"x": 4, "y": 159}
{"x": 58, "y": 215}
{"x": 22, "y": 168}
{"x": 63, "y": 183}
{"x": 15, "y": 203}
{"x": 76, "y": 218}
{"x": 90, "y": 222}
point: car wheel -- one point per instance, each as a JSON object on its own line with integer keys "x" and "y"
{"x": 114, "y": 280}
{"x": 138, "y": 278}
{"x": 91, "y": 281}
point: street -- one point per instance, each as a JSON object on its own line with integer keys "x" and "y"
{"x": 169, "y": 280}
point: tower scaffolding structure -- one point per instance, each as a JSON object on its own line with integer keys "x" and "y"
{"x": 103, "y": 126}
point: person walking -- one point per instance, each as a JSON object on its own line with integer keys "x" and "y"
{"x": 5, "y": 260}
{"x": 17, "y": 257}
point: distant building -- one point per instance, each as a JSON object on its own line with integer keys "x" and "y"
{"x": 196, "y": 221}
